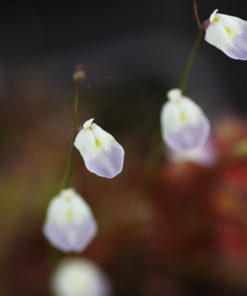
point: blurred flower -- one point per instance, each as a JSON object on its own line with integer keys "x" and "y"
{"x": 69, "y": 224}
{"x": 184, "y": 125}
{"x": 227, "y": 33}
{"x": 102, "y": 154}
{"x": 79, "y": 277}
{"x": 205, "y": 155}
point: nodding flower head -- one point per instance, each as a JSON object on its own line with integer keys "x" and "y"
{"x": 184, "y": 124}
{"x": 227, "y": 33}
{"x": 102, "y": 154}
{"x": 69, "y": 225}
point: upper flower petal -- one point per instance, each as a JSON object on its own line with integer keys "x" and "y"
{"x": 227, "y": 33}
{"x": 102, "y": 154}
{"x": 184, "y": 125}
{"x": 69, "y": 225}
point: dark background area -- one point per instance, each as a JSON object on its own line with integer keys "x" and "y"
{"x": 133, "y": 53}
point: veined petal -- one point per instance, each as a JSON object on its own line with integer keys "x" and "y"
{"x": 79, "y": 277}
{"x": 227, "y": 33}
{"x": 102, "y": 154}
{"x": 184, "y": 125}
{"x": 69, "y": 225}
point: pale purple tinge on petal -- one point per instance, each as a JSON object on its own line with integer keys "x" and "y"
{"x": 189, "y": 137}
{"x": 205, "y": 156}
{"x": 184, "y": 125}
{"x": 79, "y": 277}
{"x": 107, "y": 164}
{"x": 72, "y": 237}
{"x": 227, "y": 33}
{"x": 239, "y": 49}
{"x": 102, "y": 154}
{"x": 69, "y": 224}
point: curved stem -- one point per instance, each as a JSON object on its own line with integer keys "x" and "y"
{"x": 154, "y": 152}
{"x": 189, "y": 64}
{"x": 197, "y": 15}
{"x": 71, "y": 151}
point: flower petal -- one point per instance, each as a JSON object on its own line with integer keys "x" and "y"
{"x": 204, "y": 156}
{"x": 184, "y": 125}
{"x": 227, "y": 33}
{"x": 79, "y": 277}
{"x": 70, "y": 225}
{"x": 102, "y": 154}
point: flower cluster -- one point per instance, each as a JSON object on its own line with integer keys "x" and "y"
{"x": 185, "y": 128}
{"x": 70, "y": 225}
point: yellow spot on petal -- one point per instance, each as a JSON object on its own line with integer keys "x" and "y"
{"x": 216, "y": 19}
{"x": 97, "y": 142}
{"x": 68, "y": 198}
{"x": 228, "y": 30}
{"x": 69, "y": 214}
{"x": 182, "y": 116}
{"x": 90, "y": 128}
{"x": 177, "y": 101}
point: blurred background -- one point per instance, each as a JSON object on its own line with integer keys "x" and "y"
{"x": 187, "y": 235}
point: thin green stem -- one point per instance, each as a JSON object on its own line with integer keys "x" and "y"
{"x": 197, "y": 15}
{"x": 190, "y": 61}
{"x": 154, "y": 152}
{"x": 68, "y": 170}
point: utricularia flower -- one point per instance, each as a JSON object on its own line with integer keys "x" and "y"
{"x": 227, "y": 33}
{"x": 79, "y": 277}
{"x": 184, "y": 125}
{"x": 69, "y": 225}
{"x": 102, "y": 154}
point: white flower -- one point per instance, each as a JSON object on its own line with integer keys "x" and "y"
{"x": 69, "y": 225}
{"x": 184, "y": 125}
{"x": 204, "y": 156}
{"x": 102, "y": 154}
{"x": 227, "y": 33}
{"x": 79, "y": 277}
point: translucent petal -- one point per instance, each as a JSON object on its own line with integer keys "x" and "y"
{"x": 184, "y": 125}
{"x": 102, "y": 154}
{"x": 79, "y": 277}
{"x": 205, "y": 155}
{"x": 69, "y": 225}
{"x": 229, "y": 34}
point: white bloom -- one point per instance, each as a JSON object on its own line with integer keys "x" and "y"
{"x": 227, "y": 33}
{"x": 184, "y": 125}
{"x": 79, "y": 277}
{"x": 205, "y": 155}
{"x": 69, "y": 225}
{"x": 102, "y": 154}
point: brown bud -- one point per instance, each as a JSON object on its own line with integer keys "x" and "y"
{"x": 79, "y": 74}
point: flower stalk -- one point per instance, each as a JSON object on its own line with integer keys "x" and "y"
{"x": 68, "y": 170}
